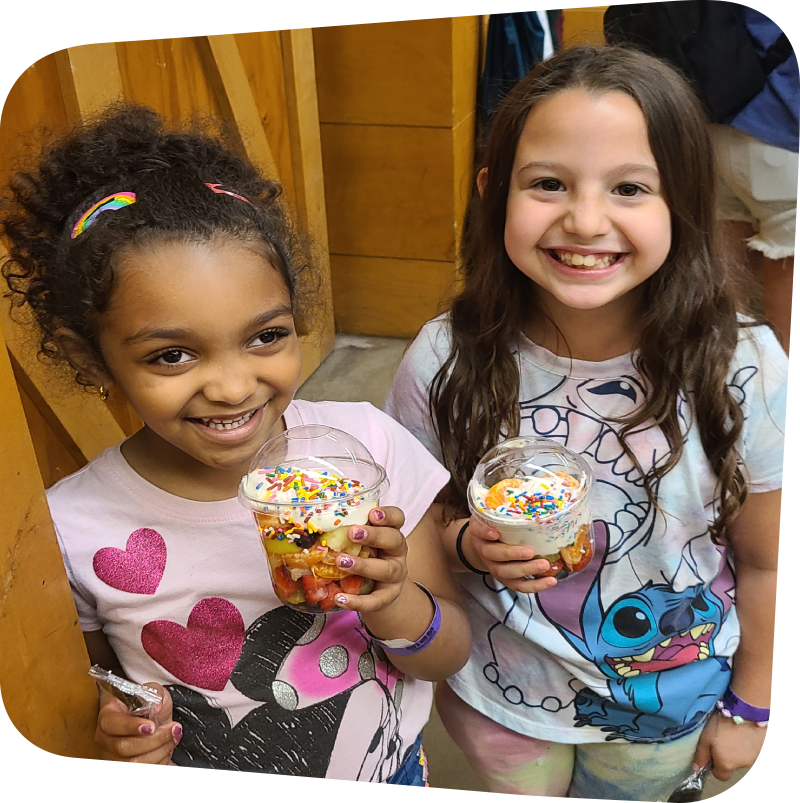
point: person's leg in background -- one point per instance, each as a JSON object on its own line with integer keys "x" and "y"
{"x": 757, "y": 200}
{"x": 508, "y": 761}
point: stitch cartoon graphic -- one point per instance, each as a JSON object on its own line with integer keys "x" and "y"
{"x": 636, "y": 642}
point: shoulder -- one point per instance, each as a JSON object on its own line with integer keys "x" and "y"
{"x": 434, "y": 339}
{"x": 758, "y": 350}
{"x": 374, "y": 428}
{"x": 86, "y": 482}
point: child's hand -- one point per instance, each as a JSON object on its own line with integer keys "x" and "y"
{"x": 513, "y": 566}
{"x": 125, "y": 737}
{"x": 388, "y": 568}
{"x": 729, "y": 747}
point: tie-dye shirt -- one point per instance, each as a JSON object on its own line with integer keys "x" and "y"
{"x": 637, "y": 645}
{"x": 182, "y": 592}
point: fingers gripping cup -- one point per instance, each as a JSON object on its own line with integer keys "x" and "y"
{"x": 535, "y": 492}
{"x": 306, "y": 487}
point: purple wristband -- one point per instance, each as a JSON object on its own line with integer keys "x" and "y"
{"x": 413, "y": 647}
{"x": 739, "y": 708}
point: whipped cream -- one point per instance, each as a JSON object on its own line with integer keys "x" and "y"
{"x": 307, "y": 500}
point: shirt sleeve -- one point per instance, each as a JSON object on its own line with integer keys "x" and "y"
{"x": 760, "y": 378}
{"x": 407, "y": 400}
{"x": 415, "y": 476}
{"x": 84, "y": 603}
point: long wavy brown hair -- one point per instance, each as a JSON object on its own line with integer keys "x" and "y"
{"x": 690, "y": 327}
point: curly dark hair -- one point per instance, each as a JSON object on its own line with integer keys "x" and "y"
{"x": 128, "y": 148}
{"x": 690, "y": 326}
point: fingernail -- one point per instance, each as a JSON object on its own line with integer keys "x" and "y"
{"x": 146, "y": 729}
{"x": 341, "y": 599}
{"x": 345, "y": 561}
{"x": 358, "y": 535}
{"x": 177, "y": 733}
{"x": 695, "y": 767}
{"x": 379, "y": 514}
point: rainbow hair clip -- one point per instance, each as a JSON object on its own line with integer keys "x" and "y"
{"x": 119, "y": 200}
{"x": 217, "y": 189}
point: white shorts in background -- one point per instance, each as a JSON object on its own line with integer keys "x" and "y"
{"x": 757, "y": 185}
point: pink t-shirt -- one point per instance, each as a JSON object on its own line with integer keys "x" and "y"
{"x": 182, "y": 592}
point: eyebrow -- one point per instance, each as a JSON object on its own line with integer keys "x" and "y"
{"x": 166, "y": 333}
{"x": 630, "y": 167}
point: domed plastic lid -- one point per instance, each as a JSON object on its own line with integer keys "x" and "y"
{"x": 530, "y": 456}
{"x": 311, "y": 464}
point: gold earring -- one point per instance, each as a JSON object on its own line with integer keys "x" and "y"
{"x": 102, "y": 392}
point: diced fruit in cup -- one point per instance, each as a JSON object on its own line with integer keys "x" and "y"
{"x": 280, "y": 546}
{"x": 285, "y": 587}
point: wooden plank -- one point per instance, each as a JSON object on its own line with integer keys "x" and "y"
{"x": 392, "y": 73}
{"x": 54, "y": 459}
{"x": 263, "y": 60}
{"x": 168, "y": 75}
{"x": 389, "y": 191}
{"x": 584, "y": 25}
{"x": 43, "y": 662}
{"x": 409, "y": 292}
{"x": 466, "y": 46}
{"x": 89, "y": 77}
{"x": 89, "y": 423}
{"x": 304, "y": 135}
{"x": 226, "y": 73}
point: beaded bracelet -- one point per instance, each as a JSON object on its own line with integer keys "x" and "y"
{"x": 402, "y": 646}
{"x": 460, "y": 551}
{"x": 731, "y": 707}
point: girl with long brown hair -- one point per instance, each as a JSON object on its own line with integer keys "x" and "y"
{"x": 596, "y": 311}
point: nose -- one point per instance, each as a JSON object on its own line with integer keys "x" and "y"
{"x": 229, "y": 381}
{"x": 587, "y": 216}
{"x": 678, "y": 619}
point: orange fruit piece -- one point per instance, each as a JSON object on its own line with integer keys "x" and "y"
{"x": 496, "y": 496}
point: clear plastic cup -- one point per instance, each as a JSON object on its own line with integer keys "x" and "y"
{"x": 306, "y": 487}
{"x": 535, "y": 492}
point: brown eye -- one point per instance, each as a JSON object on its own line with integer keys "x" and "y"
{"x": 550, "y": 184}
{"x": 628, "y": 190}
{"x": 172, "y": 357}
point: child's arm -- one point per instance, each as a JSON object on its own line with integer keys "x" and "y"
{"x": 754, "y": 540}
{"x": 121, "y": 735}
{"x": 399, "y": 609}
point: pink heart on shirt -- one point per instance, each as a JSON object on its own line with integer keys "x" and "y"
{"x": 138, "y": 568}
{"x": 205, "y": 652}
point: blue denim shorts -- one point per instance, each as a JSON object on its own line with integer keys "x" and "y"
{"x": 414, "y": 769}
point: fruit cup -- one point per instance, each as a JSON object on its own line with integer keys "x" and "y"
{"x": 306, "y": 488}
{"x": 535, "y": 492}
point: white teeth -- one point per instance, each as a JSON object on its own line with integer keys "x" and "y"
{"x": 585, "y": 261}
{"x": 222, "y": 424}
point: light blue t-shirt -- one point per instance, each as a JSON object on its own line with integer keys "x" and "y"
{"x": 637, "y": 645}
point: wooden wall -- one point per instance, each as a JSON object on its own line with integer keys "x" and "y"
{"x": 397, "y": 118}
{"x": 264, "y": 84}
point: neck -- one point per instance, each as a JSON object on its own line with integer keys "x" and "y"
{"x": 175, "y": 472}
{"x": 593, "y": 335}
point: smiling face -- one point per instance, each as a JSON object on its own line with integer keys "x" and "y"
{"x": 586, "y": 219}
{"x": 200, "y": 339}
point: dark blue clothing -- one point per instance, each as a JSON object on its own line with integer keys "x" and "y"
{"x": 411, "y": 772}
{"x": 773, "y": 115}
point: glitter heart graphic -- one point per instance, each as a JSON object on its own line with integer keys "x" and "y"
{"x": 138, "y": 568}
{"x": 204, "y": 653}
